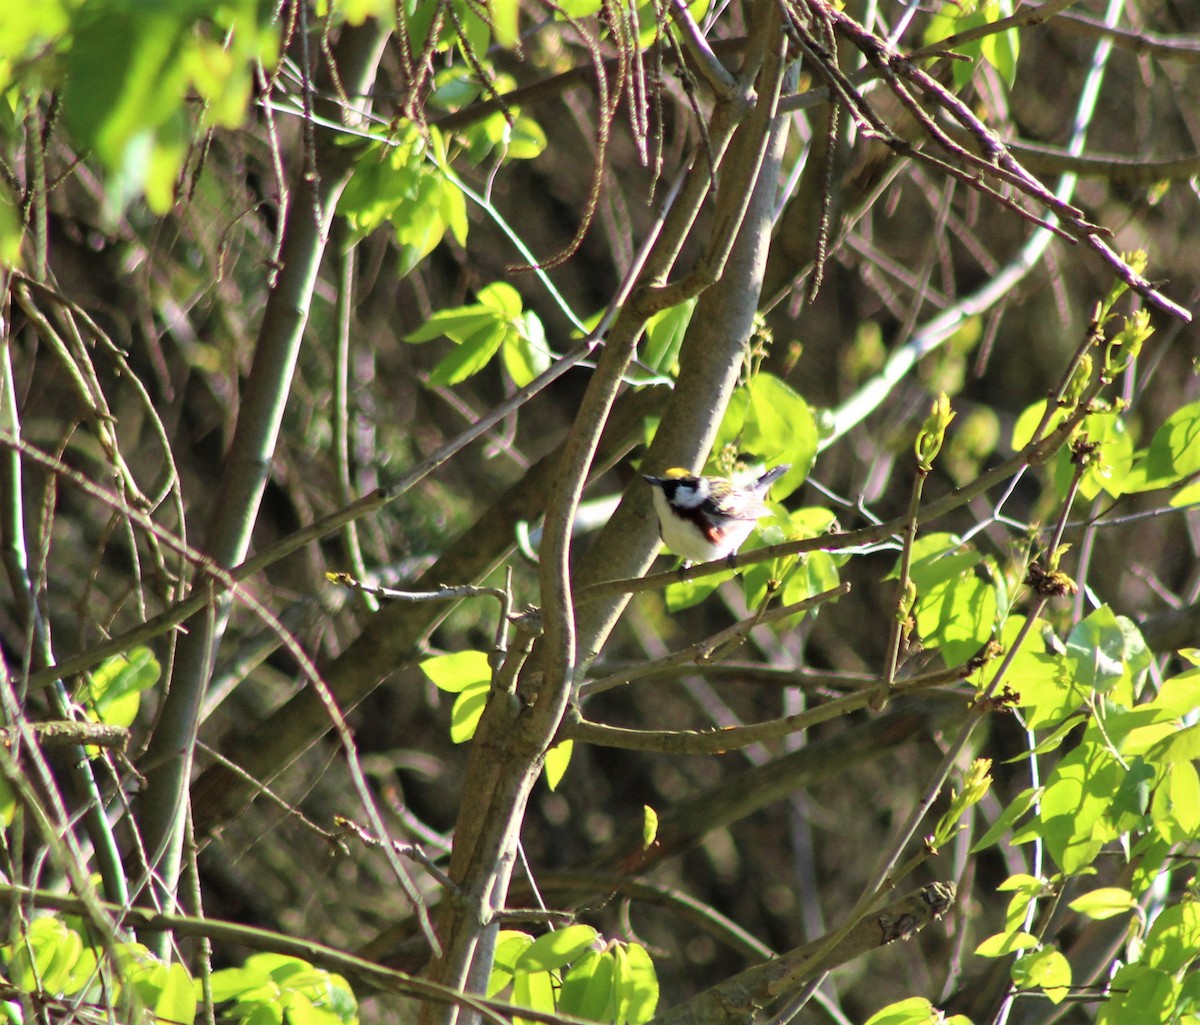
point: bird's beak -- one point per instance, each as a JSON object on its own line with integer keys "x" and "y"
{"x": 652, "y": 480}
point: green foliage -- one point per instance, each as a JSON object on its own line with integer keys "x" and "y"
{"x": 469, "y": 675}
{"x": 274, "y": 988}
{"x": 466, "y": 30}
{"x": 129, "y": 67}
{"x": 1130, "y": 780}
{"x": 770, "y": 421}
{"x": 663, "y": 337}
{"x": 404, "y": 184}
{"x": 506, "y": 135}
{"x": 1108, "y": 465}
{"x": 914, "y": 1011}
{"x": 796, "y": 577}
{"x": 958, "y": 596}
{"x": 113, "y": 690}
{"x": 52, "y": 959}
{"x": 496, "y": 323}
{"x": 573, "y": 971}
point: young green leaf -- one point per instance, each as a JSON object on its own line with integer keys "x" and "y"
{"x": 1046, "y": 970}
{"x": 587, "y": 989}
{"x": 454, "y": 673}
{"x": 1106, "y": 902}
{"x": 557, "y": 760}
{"x": 555, "y": 949}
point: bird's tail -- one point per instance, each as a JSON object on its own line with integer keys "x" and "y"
{"x": 771, "y": 476}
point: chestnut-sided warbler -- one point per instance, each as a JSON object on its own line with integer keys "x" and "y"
{"x": 707, "y": 518}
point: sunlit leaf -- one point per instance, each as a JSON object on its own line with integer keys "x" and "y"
{"x": 1006, "y": 943}
{"x": 557, "y": 760}
{"x": 1046, "y": 970}
{"x": 1106, "y": 902}
{"x": 555, "y": 949}
{"x": 587, "y": 989}
{"x": 454, "y": 673}
{"x": 467, "y": 711}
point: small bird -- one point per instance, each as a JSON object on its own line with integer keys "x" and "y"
{"x": 707, "y": 518}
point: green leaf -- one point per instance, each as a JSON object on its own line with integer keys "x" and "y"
{"x": 263, "y": 1012}
{"x": 683, "y": 594}
{"x": 525, "y": 351}
{"x": 1001, "y": 50}
{"x": 510, "y": 945}
{"x": 467, "y": 711}
{"x": 129, "y": 69}
{"x": 636, "y": 986}
{"x": 771, "y": 421}
{"x": 504, "y": 22}
{"x": 1138, "y": 995}
{"x": 525, "y": 139}
{"x": 502, "y": 298}
{"x": 27, "y": 30}
{"x": 913, "y": 1011}
{"x": 557, "y": 760}
{"x": 115, "y": 686}
{"x": 470, "y": 357}
{"x": 384, "y": 176}
{"x": 1105, "y": 650}
{"x": 233, "y": 982}
{"x": 649, "y": 825}
{"x": 1179, "y": 746}
{"x": 457, "y": 324}
{"x": 555, "y": 949}
{"x": 956, "y": 607}
{"x": 1077, "y": 800}
{"x": 1005, "y": 943}
{"x": 1175, "y": 809}
{"x": 664, "y": 335}
{"x": 454, "y": 673}
{"x": 534, "y": 990}
{"x": 587, "y": 989}
{"x": 1106, "y": 902}
{"x": 125, "y": 75}
{"x": 177, "y": 1001}
{"x": 1174, "y": 451}
{"x": 1108, "y": 465}
{"x": 1173, "y": 942}
{"x": 301, "y": 1009}
{"x": 1023, "y": 429}
{"x": 1046, "y": 970}
{"x": 1016, "y": 809}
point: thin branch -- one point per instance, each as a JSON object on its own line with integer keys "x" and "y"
{"x": 706, "y": 651}
{"x": 68, "y": 733}
{"x": 735, "y": 738}
{"x": 715, "y": 73}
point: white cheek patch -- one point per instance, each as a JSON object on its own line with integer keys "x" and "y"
{"x": 689, "y": 496}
